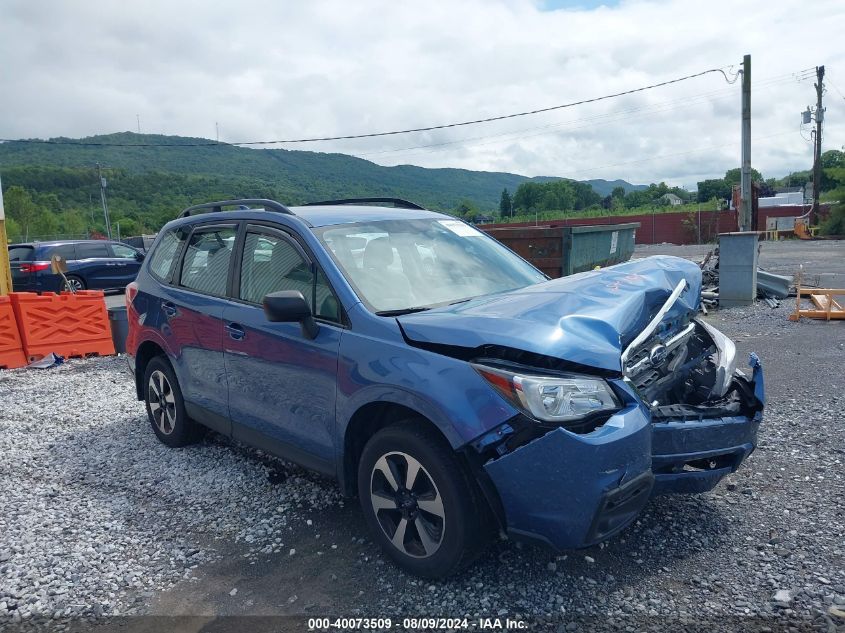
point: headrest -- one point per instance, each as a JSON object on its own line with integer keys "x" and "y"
{"x": 378, "y": 254}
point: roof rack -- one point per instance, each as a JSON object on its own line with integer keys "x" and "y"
{"x": 397, "y": 202}
{"x": 269, "y": 205}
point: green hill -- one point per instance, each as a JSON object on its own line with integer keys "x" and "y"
{"x": 149, "y": 183}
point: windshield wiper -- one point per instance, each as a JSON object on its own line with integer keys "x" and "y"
{"x": 401, "y": 311}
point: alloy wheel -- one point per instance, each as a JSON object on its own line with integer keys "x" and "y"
{"x": 407, "y": 504}
{"x": 74, "y": 284}
{"x": 162, "y": 402}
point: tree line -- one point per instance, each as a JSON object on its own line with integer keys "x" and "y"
{"x": 45, "y": 201}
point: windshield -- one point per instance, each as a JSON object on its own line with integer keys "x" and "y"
{"x": 406, "y": 265}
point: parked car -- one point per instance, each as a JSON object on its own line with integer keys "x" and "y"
{"x": 140, "y": 242}
{"x": 460, "y": 398}
{"x": 91, "y": 264}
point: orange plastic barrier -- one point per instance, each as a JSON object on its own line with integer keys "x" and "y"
{"x": 67, "y": 324}
{"x": 11, "y": 350}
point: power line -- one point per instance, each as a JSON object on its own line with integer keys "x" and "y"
{"x": 835, "y": 87}
{"x": 610, "y": 117}
{"x": 394, "y": 132}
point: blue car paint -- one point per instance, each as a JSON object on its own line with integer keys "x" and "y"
{"x": 550, "y": 488}
{"x": 627, "y": 446}
{"x": 282, "y": 385}
{"x": 193, "y": 334}
{"x": 585, "y": 318}
{"x": 379, "y": 366}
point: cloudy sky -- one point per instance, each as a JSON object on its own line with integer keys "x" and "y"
{"x": 281, "y": 69}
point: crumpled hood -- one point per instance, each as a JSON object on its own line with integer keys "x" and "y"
{"x": 588, "y": 318}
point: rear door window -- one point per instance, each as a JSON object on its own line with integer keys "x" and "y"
{"x": 205, "y": 267}
{"x": 92, "y": 250}
{"x": 66, "y": 251}
{"x": 21, "y": 253}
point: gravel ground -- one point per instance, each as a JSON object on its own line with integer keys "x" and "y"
{"x": 97, "y": 517}
{"x": 96, "y": 514}
{"x": 823, "y": 260}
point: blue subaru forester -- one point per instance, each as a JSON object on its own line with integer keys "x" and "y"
{"x": 451, "y": 386}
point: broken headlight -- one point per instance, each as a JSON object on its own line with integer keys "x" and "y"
{"x": 726, "y": 361}
{"x": 558, "y": 399}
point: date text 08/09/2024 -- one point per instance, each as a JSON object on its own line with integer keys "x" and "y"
{"x": 411, "y": 624}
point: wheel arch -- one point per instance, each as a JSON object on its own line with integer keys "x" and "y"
{"x": 365, "y": 422}
{"x": 146, "y": 352}
{"x": 78, "y": 274}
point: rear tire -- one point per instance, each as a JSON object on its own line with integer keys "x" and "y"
{"x": 165, "y": 406}
{"x": 419, "y": 502}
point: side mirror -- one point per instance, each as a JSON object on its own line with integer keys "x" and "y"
{"x": 139, "y": 256}
{"x": 288, "y": 306}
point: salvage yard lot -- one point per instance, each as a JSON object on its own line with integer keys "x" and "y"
{"x": 97, "y": 517}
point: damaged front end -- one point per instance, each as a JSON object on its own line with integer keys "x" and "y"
{"x": 621, "y": 392}
{"x": 575, "y": 482}
{"x": 704, "y": 411}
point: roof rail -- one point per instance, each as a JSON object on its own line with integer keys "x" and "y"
{"x": 269, "y": 205}
{"x": 397, "y": 202}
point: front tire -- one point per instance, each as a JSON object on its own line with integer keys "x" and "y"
{"x": 419, "y": 502}
{"x": 165, "y": 406}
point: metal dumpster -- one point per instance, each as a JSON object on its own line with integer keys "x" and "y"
{"x": 564, "y": 250}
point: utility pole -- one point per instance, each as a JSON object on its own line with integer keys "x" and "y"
{"x": 5, "y": 271}
{"x": 745, "y": 208}
{"x": 103, "y": 185}
{"x": 817, "y": 158}
{"x": 138, "y": 118}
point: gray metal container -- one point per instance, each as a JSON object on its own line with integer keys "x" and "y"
{"x": 737, "y": 268}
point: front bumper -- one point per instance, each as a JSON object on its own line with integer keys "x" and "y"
{"x": 570, "y": 491}
{"x": 690, "y": 456}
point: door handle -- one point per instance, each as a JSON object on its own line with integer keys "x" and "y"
{"x": 235, "y": 331}
{"x": 168, "y": 308}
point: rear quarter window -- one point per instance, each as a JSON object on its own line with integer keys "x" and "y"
{"x": 66, "y": 251}
{"x": 21, "y": 253}
{"x": 166, "y": 253}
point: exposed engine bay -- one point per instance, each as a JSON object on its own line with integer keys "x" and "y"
{"x": 688, "y": 369}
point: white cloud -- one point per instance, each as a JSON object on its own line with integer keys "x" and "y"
{"x": 267, "y": 70}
